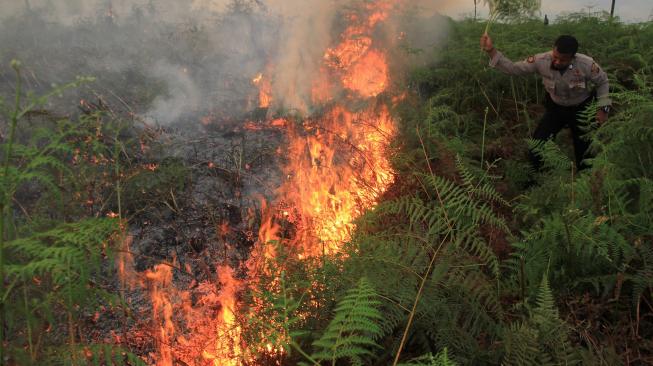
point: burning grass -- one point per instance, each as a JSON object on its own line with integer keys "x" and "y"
{"x": 336, "y": 166}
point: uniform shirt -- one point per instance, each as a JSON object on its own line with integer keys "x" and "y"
{"x": 568, "y": 89}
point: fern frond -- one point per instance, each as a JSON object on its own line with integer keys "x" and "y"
{"x": 352, "y": 332}
{"x": 521, "y": 346}
{"x": 551, "y": 155}
{"x": 441, "y": 359}
{"x": 543, "y": 339}
{"x": 642, "y": 279}
{"x": 68, "y": 247}
{"x": 481, "y": 189}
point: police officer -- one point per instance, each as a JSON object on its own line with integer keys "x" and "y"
{"x": 566, "y": 76}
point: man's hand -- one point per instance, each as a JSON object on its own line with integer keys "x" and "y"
{"x": 486, "y": 43}
{"x": 601, "y": 116}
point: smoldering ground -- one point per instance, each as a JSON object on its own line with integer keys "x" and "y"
{"x": 151, "y": 58}
{"x": 171, "y": 61}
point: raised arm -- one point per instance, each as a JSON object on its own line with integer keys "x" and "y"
{"x": 502, "y": 63}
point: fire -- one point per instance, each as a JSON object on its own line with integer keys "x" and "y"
{"x": 252, "y": 126}
{"x": 268, "y": 232}
{"x": 321, "y": 92}
{"x": 278, "y": 122}
{"x": 336, "y": 168}
{"x": 265, "y": 90}
{"x": 337, "y": 172}
{"x": 227, "y": 342}
{"x": 369, "y": 76}
{"x": 338, "y": 162}
{"x": 151, "y": 166}
{"x": 363, "y": 68}
{"x": 206, "y": 120}
{"x": 159, "y": 278}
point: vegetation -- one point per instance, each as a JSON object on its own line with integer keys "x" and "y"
{"x": 52, "y": 252}
{"x": 470, "y": 258}
{"x": 473, "y": 262}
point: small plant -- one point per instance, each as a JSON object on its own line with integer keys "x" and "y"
{"x": 51, "y": 253}
{"x": 543, "y": 339}
{"x": 352, "y": 332}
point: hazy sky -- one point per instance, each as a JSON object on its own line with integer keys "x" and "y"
{"x": 628, "y": 10}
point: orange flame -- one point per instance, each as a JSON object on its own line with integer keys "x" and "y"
{"x": 264, "y": 250}
{"x": 363, "y": 68}
{"x": 336, "y": 168}
{"x": 265, "y": 90}
{"x": 338, "y": 164}
{"x": 226, "y": 350}
{"x": 336, "y": 173}
{"x": 159, "y": 279}
{"x": 369, "y": 76}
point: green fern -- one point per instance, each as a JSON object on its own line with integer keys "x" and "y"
{"x": 465, "y": 205}
{"x": 288, "y": 303}
{"x": 585, "y": 230}
{"x": 543, "y": 339}
{"x": 93, "y": 355}
{"x": 276, "y": 320}
{"x": 396, "y": 243}
{"x": 550, "y": 153}
{"x": 441, "y": 359}
{"x": 55, "y": 252}
{"x": 63, "y": 262}
{"x": 479, "y": 185}
{"x": 521, "y": 345}
{"x": 642, "y": 277}
{"x": 352, "y": 332}
{"x": 52, "y": 265}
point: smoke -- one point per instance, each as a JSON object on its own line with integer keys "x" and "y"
{"x": 423, "y": 30}
{"x": 163, "y": 60}
{"x": 183, "y": 94}
{"x": 307, "y": 31}
{"x": 305, "y": 36}
{"x": 69, "y": 12}
{"x": 171, "y": 61}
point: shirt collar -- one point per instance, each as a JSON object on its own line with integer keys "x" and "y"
{"x": 572, "y": 65}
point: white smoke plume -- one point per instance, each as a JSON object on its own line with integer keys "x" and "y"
{"x": 170, "y": 59}
{"x": 183, "y": 95}
{"x": 305, "y": 35}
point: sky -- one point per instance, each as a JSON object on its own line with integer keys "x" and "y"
{"x": 627, "y": 10}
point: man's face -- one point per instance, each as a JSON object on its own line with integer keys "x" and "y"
{"x": 561, "y": 61}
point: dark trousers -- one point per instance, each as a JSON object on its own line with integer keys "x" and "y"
{"x": 555, "y": 119}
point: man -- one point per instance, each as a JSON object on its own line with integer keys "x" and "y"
{"x": 565, "y": 75}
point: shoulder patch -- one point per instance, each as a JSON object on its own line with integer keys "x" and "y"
{"x": 530, "y": 59}
{"x": 595, "y": 68}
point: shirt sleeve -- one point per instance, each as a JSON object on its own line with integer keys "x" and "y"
{"x": 503, "y": 64}
{"x": 600, "y": 79}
